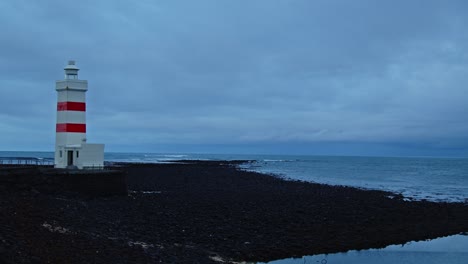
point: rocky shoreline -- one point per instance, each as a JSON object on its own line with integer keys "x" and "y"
{"x": 208, "y": 212}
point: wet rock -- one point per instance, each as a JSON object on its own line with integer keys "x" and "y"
{"x": 201, "y": 211}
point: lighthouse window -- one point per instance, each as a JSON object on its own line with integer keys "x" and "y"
{"x": 61, "y": 154}
{"x": 77, "y": 154}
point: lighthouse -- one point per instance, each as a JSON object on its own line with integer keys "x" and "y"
{"x": 71, "y": 147}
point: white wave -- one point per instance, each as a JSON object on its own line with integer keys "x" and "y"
{"x": 273, "y": 160}
{"x": 175, "y": 156}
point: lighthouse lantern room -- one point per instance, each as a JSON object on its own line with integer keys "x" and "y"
{"x": 71, "y": 148}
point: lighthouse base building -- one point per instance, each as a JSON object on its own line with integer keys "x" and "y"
{"x": 84, "y": 156}
{"x": 71, "y": 149}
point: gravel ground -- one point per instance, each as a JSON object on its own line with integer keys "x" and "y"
{"x": 206, "y": 212}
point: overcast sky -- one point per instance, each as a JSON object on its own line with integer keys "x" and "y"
{"x": 361, "y": 77}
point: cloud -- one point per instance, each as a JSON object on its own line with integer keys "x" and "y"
{"x": 237, "y": 72}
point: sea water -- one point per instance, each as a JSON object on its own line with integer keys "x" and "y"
{"x": 436, "y": 179}
{"x": 452, "y": 249}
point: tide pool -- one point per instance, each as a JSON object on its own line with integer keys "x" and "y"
{"x": 451, "y": 249}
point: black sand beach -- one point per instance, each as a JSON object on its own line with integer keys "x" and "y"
{"x": 207, "y": 212}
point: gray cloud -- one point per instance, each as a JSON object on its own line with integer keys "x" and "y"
{"x": 239, "y": 72}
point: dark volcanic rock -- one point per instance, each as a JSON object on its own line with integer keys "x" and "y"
{"x": 197, "y": 212}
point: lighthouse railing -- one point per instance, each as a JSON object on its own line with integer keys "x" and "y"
{"x": 26, "y": 161}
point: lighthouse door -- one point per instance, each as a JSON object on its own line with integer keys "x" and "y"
{"x": 70, "y": 158}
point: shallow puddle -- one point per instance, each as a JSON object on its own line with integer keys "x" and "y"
{"x": 452, "y": 249}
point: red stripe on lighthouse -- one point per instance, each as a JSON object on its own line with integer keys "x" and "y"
{"x": 71, "y": 106}
{"x": 70, "y": 127}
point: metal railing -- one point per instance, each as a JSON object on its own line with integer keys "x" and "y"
{"x": 94, "y": 167}
{"x": 26, "y": 161}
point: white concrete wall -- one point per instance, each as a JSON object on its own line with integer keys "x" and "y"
{"x": 59, "y": 162}
{"x": 91, "y": 155}
{"x": 71, "y": 96}
{"x": 76, "y": 117}
{"x": 64, "y": 139}
{"x": 71, "y": 84}
{"x": 84, "y": 156}
{"x": 62, "y": 162}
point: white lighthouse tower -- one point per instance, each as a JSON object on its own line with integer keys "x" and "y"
{"x": 71, "y": 149}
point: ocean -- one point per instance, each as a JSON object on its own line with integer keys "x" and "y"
{"x": 435, "y": 179}
{"x": 451, "y": 249}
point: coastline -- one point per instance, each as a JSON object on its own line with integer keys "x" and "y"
{"x": 206, "y": 211}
